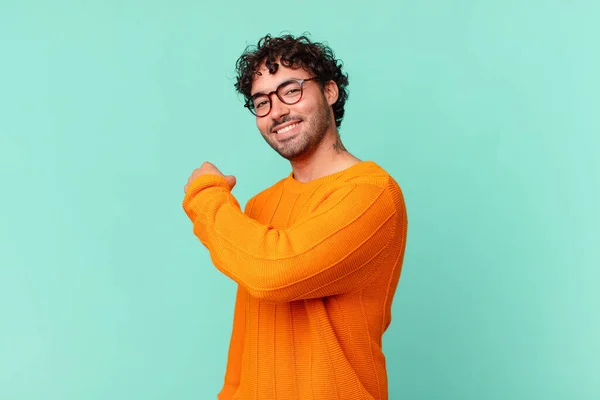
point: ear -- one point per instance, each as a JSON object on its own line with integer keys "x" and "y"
{"x": 331, "y": 92}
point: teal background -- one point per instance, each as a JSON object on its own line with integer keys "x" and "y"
{"x": 485, "y": 112}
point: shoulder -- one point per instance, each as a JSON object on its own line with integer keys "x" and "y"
{"x": 374, "y": 174}
{"x": 369, "y": 173}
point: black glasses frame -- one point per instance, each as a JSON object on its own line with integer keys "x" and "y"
{"x": 249, "y": 102}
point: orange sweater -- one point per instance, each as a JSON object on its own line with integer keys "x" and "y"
{"x": 317, "y": 265}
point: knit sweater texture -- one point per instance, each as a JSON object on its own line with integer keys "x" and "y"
{"x": 317, "y": 265}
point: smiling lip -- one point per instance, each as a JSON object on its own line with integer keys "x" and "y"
{"x": 279, "y": 127}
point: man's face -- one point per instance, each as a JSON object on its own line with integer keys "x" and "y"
{"x": 312, "y": 115}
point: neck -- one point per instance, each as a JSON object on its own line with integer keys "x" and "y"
{"x": 330, "y": 157}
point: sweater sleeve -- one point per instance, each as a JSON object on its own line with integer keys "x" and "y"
{"x": 333, "y": 249}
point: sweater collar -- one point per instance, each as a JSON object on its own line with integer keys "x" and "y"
{"x": 290, "y": 183}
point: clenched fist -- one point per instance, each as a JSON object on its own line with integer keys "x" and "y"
{"x": 208, "y": 168}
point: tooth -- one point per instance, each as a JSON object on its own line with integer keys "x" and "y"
{"x": 287, "y": 128}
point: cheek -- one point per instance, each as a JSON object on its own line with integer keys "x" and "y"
{"x": 262, "y": 125}
{"x": 306, "y": 110}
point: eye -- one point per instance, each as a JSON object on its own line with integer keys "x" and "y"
{"x": 261, "y": 104}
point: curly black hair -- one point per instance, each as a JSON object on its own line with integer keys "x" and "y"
{"x": 299, "y": 52}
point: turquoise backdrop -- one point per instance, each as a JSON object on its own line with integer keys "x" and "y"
{"x": 485, "y": 112}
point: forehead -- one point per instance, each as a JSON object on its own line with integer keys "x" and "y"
{"x": 264, "y": 81}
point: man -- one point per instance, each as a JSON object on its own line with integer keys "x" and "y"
{"x": 317, "y": 256}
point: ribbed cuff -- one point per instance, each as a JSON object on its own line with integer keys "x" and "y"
{"x": 206, "y": 181}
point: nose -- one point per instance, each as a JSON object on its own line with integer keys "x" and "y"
{"x": 278, "y": 108}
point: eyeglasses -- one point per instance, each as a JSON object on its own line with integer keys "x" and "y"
{"x": 289, "y": 92}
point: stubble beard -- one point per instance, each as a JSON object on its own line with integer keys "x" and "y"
{"x": 307, "y": 140}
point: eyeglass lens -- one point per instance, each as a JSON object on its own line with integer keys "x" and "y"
{"x": 288, "y": 92}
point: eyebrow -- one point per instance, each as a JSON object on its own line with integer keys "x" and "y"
{"x": 280, "y": 83}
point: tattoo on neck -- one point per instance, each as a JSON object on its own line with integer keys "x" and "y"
{"x": 338, "y": 146}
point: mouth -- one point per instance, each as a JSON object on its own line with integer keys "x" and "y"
{"x": 287, "y": 127}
